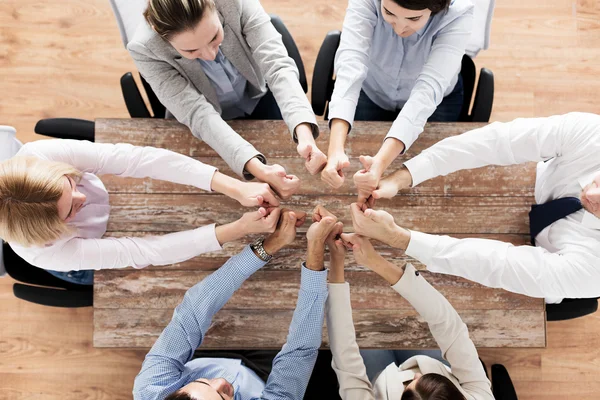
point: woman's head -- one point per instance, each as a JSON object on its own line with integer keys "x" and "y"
{"x": 431, "y": 387}
{"x": 37, "y": 200}
{"x": 409, "y": 16}
{"x": 192, "y": 27}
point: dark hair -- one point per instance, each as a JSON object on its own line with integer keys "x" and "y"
{"x": 179, "y": 395}
{"x": 434, "y": 5}
{"x": 169, "y": 17}
{"x": 433, "y": 387}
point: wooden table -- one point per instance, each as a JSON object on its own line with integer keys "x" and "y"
{"x": 131, "y": 307}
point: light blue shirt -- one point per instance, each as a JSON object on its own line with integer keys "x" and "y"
{"x": 230, "y": 86}
{"x": 413, "y": 74}
{"x": 167, "y": 367}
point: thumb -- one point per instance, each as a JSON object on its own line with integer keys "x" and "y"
{"x": 373, "y": 215}
{"x": 261, "y": 212}
{"x": 377, "y": 194}
{"x": 279, "y": 170}
{"x": 366, "y": 161}
{"x": 344, "y": 164}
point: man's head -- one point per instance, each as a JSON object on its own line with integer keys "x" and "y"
{"x": 590, "y": 196}
{"x": 204, "y": 389}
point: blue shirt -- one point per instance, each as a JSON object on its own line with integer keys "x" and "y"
{"x": 413, "y": 74}
{"x": 230, "y": 87}
{"x": 167, "y": 366}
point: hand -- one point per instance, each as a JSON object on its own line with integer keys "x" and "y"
{"x": 315, "y": 158}
{"x": 379, "y": 225}
{"x": 337, "y": 254}
{"x": 285, "y": 233}
{"x": 333, "y": 173}
{"x": 261, "y": 221}
{"x": 590, "y": 197}
{"x": 323, "y": 224}
{"x": 283, "y": 184}
{"x": 367, "y": 179}
{"x": 259, "y": 194}
{"x": 365, "y": 255}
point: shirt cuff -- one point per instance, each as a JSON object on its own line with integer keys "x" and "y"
{"x": 206, "y": 238}
{"x": 313, "y": 281}
{"x": 206, "y": 178}
{"x": 404, "y": 131}
{"x": 313, "y": 127}
{"x": 248, "y": 262}
{"x": 420, "y": 168}
{"x": 421, "y": 246}
{"x": 342, "y": 109}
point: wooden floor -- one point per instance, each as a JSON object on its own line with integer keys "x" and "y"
{"x": 64, "y": 59}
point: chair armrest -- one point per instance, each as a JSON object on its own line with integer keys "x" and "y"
{"x": 502, "y": 385}
{"x": 66, "y": 128}
{"x": 322, "y": 81}
{"x": 292, "y": 49}
{"x": 484, "y": 97}
{"x": 54, "y": 297}
{"x": 133, "y": 98}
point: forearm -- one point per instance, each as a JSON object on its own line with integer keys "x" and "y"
{"x": 390, "y": 149}
{"x": 337, "y": 138}
{"x": 230, "y": 232}
{"x": 315, "y": 256}
{"x": 304, "y": 134}
{"x": 388, "y": 271}
{"x": 226, "y": 185}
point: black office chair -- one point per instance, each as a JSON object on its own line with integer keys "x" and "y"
{"x": 323, "y": 82}
{"x": 571, "y": 308}
{"x": 37, "y": 285}
{"x": 135, "y": 103}
{"x": 502, "y": 386}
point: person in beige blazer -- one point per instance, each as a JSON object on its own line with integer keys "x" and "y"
{"x": 212, "y": 60}
{"x": 418, "y": 377}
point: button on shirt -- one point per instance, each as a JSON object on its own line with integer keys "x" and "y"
{"x": 566, "y": 261}
{"x": 230, "y": 86}
{"x": 413, "y": 74}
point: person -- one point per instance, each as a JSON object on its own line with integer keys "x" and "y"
{"x": 398, "y": 60}
{"x": 210, "y": 61}
{"x": 54, "y": 208}
{"x": 563, "y": 260}
{"x": 168, "y": 371}
{"x": 392, "y": 375}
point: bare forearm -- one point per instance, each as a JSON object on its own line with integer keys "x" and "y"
{"x": 388, "y": 271}
{"x": 304, "y": 134}
{"x": 315, "y": 256}
{"x": 229, "y": 232}
{"x": 337, "y": 138}
{"x": 226, "y": 185}
{"x": 256, "y": 168}
{"x": 390, "y": 149}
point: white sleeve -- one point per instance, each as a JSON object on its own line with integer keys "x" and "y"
{"x": 351, "y": 58}
{"x": 85, "y": 254}
{"x": 519, "y": 141}
{"x": 443, "y": 64}
{"x": 448, "y": 330}
{"x": 528, "y": 270}
{"x": 124, "y": 160}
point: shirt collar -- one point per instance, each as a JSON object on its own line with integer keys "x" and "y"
{"x": 589, "y": 220}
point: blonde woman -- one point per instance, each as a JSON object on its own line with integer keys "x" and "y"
{"x": 386, "y": 374}
{"x": 212, "y": 61}
{"x": 54, "y": 208}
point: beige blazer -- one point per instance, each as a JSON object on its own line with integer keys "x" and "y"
{"x": 255, "y": 48}
{"x": 445, "y": 324}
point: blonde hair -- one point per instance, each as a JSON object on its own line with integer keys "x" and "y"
{"x": 29, "y": 193}
{"x": 170, "y": 17}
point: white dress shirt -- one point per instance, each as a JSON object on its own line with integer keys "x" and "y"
{"x": 566, "y": 261}
{"x": 86, "y": 249}
{"x": 413, "y": 73}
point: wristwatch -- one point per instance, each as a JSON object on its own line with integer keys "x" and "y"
{"x": 257, "y": 246}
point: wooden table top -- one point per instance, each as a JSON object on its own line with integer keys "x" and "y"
{"x": 132, "y": 307}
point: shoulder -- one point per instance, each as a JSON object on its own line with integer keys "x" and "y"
{"x": 146, "y": 40}
{"x": 458, "y": 10}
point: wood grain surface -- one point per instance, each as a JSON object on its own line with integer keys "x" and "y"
{"x": 491, "y": 202}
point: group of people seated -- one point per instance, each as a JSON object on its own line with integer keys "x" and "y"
{"x": 210, "y": 61}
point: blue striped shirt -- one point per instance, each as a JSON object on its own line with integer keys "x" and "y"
{"x": 167, "y": 366}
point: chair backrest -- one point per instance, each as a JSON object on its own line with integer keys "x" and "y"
{"x": 129, "y": 14}
{"x": 482, "y": 24}
{"x": 9, "y": 146}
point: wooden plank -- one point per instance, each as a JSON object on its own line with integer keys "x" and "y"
{"x": 292, "y": 255}
{"x": 176, "y": 212}
{"x": 515, "y": 180}
{"x": 272, "y": 289}
{"x": 374, "y": 328}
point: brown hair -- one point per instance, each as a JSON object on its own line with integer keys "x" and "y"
{"x": 169, "y": 17}
{"x": 179, "y": 395}
{"x": 29, "y": 191}
{"x": 434, "y": 5}
{"x": 433, "y": 387}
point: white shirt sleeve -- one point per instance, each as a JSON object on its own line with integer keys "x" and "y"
{"x": 124, "y": 160}
{"x": 448, "y": 330}
{"x": 347, "y": 361}
{"x": 522, "y": 140}
{"x": 443, "y": 64}
{"x": 351, "y": 58}
{"x": 528, "y": 270}
{"x": 107, "y": 253}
